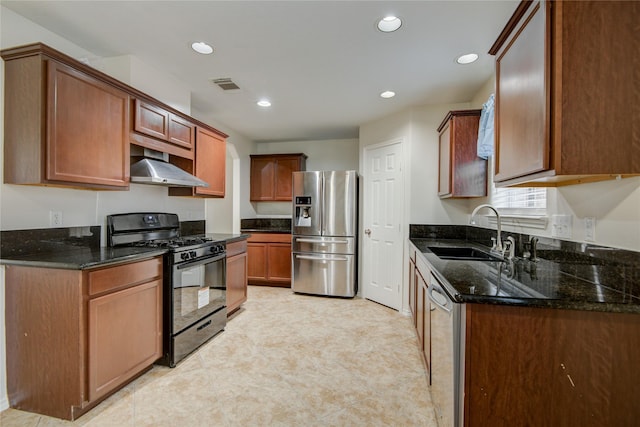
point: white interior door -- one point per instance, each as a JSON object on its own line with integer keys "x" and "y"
{"x": 383, "y": 202}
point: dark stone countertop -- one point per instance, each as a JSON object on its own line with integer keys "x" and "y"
{"x": 82, "y": 258}
{"x": 563, "y": 280}
{"x": 71, "y": 257}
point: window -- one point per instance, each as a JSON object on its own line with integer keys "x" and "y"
{"x": 520, "y": 198}
{"x": 523, "y": 207}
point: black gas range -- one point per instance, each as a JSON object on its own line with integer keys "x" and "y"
{"x": 194, "y": 278}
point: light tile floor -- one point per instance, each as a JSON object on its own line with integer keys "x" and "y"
{"x": 283, "y": 360}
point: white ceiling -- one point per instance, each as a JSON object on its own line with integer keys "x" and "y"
{"x": 322, "y": 64}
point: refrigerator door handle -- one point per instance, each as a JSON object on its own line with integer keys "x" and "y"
{"x": 321, "y": 241}
{"x": 319, "y": 258}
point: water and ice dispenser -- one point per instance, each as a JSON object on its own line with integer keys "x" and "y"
{"x": 303, "y": 211}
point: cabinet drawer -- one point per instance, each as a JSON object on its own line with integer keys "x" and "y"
{"x": 122, "y": 276}
{"x": 236, "y": 248}
{"x": 270, "y": 238}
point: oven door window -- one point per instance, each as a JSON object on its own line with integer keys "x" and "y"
{"x": 198, "y": 290}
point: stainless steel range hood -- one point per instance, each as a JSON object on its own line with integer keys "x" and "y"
{"x": 154, "y": 169}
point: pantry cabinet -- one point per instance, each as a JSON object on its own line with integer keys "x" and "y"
{"x": 236, "y": 275}
{"x": 565, "y": 93}
{"x": 63, "y": 126}
{"x": 271, "y": 176}
{"x": 462, "y": 173}
{"x": 269, "y": 259}
{"x": 74, "y": 336}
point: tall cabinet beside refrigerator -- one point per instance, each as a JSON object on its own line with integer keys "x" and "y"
{"x": 324, "y": 231}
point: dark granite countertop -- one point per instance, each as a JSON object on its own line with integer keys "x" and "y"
{"x": 562, "y": 280}
{"x": 73, "y": 257}
{"x": 82, "y": 258}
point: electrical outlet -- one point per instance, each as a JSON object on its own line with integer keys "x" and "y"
{"x": 55, "y": 218}
{"x": 590, "y": 229}
{"x": 561, "y": 226}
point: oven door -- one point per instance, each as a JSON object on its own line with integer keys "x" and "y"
{"x": 199, "y": 289}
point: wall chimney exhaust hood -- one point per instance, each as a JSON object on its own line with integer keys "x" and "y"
{"x": 154, "y": 169}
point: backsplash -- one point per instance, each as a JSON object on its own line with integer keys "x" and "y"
{"x": 19, "y": 242}
{"x": 267, "y": 224}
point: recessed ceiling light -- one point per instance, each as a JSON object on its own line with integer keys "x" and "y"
{"x": 467, "y": 59}
{"x": 202, "y": 47}
{"x": 264, "y": 103}
{"x": 389, "y": 24}
{"x": 387, "y": 94}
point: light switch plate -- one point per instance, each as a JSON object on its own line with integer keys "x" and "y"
{"x": 561, "y": 226}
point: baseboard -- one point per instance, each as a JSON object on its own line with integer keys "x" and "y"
{"x": 4, "y": 403}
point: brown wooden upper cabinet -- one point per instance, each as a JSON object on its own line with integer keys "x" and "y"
{"x": 462, "y": 172}
{"x": 63, "y": 126}
{"x": 208, "y": 165}
{"x": 161, "y": 130}
{"x": 567, "y": 93}
{"x": 271, "y": 176}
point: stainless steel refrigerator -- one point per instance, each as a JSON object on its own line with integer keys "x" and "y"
{"x": 324, "y": 229}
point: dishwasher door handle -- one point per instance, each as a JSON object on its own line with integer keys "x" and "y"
{"x": 439, "y": 299}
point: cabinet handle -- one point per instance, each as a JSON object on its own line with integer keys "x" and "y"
{"x": 318, "y": 258}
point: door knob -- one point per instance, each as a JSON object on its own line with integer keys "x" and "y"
{"x": 367, "y": 232}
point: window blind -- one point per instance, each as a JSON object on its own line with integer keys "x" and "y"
{"x": 520, "y": 198}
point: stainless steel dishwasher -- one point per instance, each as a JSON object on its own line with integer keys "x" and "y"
{"x": 447, "y": 365}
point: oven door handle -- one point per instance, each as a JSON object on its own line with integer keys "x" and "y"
{"x": 199, "y": 261}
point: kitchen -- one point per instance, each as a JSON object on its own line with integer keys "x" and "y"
{"x": 613, "y": 203}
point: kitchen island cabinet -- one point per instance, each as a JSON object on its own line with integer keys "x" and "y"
{"x": 566, "y": 93}
{"x": 63, "y": 126}
{"x": 269, "y": 259}
{"x": 236, "y": 275}
{"x": 75, "y": 336}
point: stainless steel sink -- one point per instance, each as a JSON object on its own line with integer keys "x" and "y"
{"x": 462, "y": 253}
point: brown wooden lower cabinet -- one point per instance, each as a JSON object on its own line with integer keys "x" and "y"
{"x": 551, "y": 367}
{"x": 236, "y": 275}
{"x": 75, "y": 336}
{"x": 269, "y": 259}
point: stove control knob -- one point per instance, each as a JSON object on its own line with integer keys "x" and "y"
{"x": 184, "y": 256}
{"x": 193, "y": 254}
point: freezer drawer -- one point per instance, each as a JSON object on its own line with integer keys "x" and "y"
{"x": 326, "y": 245}
{"x": 324, "y": 274}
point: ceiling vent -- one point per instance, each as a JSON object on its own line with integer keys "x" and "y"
{"x": 225, "y": 84}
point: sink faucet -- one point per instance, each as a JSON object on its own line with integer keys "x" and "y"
{"x": 497, "y": 247}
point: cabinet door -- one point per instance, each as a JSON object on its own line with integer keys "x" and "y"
{"x": 412, "y": 291}
{"x": 279, "y": 262}
{"x": 181, "y": 132}
{"x": 125, "y": 335}
{"x": 426, "y": 337}
{"x": 523, "y": 99}
{"x": 151, "y": 120}
{"x": 210, "y": 162}
{"x": 257, "y": 261}
{"x": 444, "y": 180}
{"x": 236, "y": 281}
{"x": 262, "y": 178}
{"x": 87, "y": 129}
{"x": 284, "y": 178}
